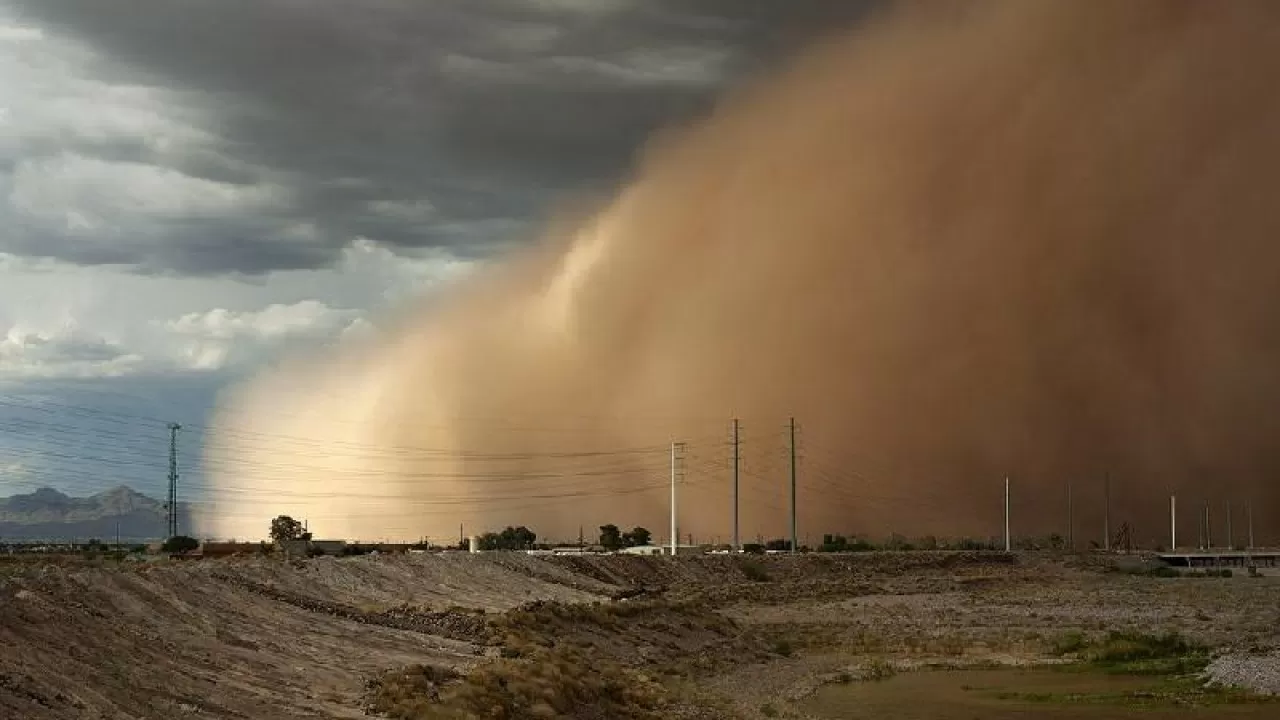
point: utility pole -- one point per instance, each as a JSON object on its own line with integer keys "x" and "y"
{"x": 1008, "y": 546}
{"x": 792, "y": 430}
{"x": 1231, "y": 538}
{"x": 171, "y": 505}
{"x": 1208, "y": 526}
{"x": 1106, "y": 515}
{"x": 1071, "y": 519}
{"x": 737, "y": 543}
{"x": 675, "y": 471}
{"x": 1249, "y": 511}
{"x": 1173, "y": 523}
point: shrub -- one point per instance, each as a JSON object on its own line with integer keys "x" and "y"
{"x": 879, "y": 669}
{"x": 180, "y": 544}
{"x": 552, "y": 685}
{"x": 1070, "y": 643}
{"x": 754, "y": 570}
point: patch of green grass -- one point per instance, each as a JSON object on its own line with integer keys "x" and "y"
{"x": 1069, "y": 643}
{"x": 1120, "y": 648}
{"x": 879, "y": 669}
{"x": 1132, "y": 653}
{"x": 1183, "y": 692}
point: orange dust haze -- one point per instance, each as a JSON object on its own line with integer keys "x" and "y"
{"x": 963, "y": 241}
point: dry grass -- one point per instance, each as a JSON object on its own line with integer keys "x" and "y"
{"x": 587, "y": 662}
{"x": 560, "y": 683}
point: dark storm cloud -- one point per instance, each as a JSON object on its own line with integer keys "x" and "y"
{"x": 453, "y": 123}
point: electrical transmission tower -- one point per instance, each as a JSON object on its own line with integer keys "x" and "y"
{"x": 1124, "y": 538}
{"x": 171, "y": 505}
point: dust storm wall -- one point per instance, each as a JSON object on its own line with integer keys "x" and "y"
{"x": 958, "y": 242}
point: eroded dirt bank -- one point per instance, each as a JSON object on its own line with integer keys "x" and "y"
{"x": 711, "y": 636}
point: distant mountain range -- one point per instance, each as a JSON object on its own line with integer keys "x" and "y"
{"x": 47, "y": 514}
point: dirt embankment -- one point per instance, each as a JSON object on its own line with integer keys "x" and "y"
{"x": 261, "y": 638}
{"x": 430, "y": 636}
{"x": 252, "y": 638}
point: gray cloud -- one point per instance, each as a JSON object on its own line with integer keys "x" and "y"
{"x": 451, "y": 124}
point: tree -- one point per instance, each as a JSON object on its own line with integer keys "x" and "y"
{"x": 611, "y": 537}
{"x": 638, "y": 537}
{"x": 180, "y": 544}
{"x": 517, "y": 538}
{"x": 512, "y": 538}
{"x": 285, "y": 528}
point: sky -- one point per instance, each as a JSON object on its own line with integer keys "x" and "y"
{"x": 192, "y": 190}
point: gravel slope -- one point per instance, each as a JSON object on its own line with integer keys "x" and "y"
{"x": 1257, "y": 672}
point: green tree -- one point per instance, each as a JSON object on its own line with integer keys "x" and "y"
{"x": 285, "y": 528}
{"x": 180, "y": 544}
{"x": 611, "y": 537}
{"x": 511, "y": 538}
{"x": 638, "y": 537}
{"x": 517, "y": 538}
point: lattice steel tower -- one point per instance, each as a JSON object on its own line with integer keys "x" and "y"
{"x": 171, "y": 505}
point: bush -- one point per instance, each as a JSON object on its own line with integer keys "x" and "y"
{"x": 754, "y": 571}
{"x": 553, "y": 684}
{"x": 409, "y": 693}
{"x": 1070, "y": 643}
{"x": 180, "y": 544}
{"x": 879, "y": 669}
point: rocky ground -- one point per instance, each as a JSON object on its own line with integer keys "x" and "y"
{"x": 712, "y": 636}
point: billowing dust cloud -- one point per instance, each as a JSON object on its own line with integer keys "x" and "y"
{"x": 1035, "y": 239}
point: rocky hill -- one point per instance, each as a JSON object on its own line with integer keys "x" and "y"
{"x": 48, "y": 514}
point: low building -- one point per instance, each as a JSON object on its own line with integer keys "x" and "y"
{"x": 230, "y": 549}
{"x": 644, "y": 550}
{"x": 327, "y": 547}
{"x": 686, "y": 549}
{"x": 304, "y": 548}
